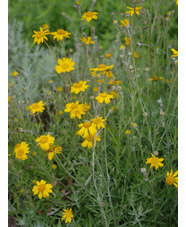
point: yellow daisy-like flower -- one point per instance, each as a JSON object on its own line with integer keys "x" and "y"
{"x": 127, "y": 41}
{"x": 175, "y": 53}
{"x": 87, "y": 40}
{"x": 104, "y": 97}
{"x": 37, "y": 107}
{"x": 54, "y": 166}
{"x": 40, "y": 36}
{"x": 154, "y": 78}
{"x": 136, "y": 55}
{"x": 15, "y": 73}
{"x": 95, "y": 89}
{"x": 72, "y": 106}
{"x": 45, "y": 142}
{"x": 86, "y": 129}
{"x": 9, "y": 98}
{"x": 60, "y": 33}
{"x": 98, "y": 122}
{"x": 20, "y": 151}
{"x": 80, "y": 86}
{"x": 124, "y": 23}
{"x": 128, "y": 132}
{"x": 114, "y": 82}
{"x": 101, "y": 68}
{"x": 108, "y": 73}
{"x": 176, "y": 2}
{"x": 59, "y": 89}
{"x": 77, "y": 113}
{"x": 122, "y": 47}
{"x": 86, "y": 107}
{"x": 52, "y": 150}
{"x": 65, "y": 65}
{"x": 89, "y": 16}
{"x": 135, "y": 10}
{"x": 67, "y": 215}
{"x": 42, "y": 189}
{"x": 134, "y": 125}
{"x": 61, "y": 112}
{"x": 11, "y": 84}
{"x": 172, "y": 179}
{"x": 89, "y": 139}
{"x": 155, "y": 162}
{"x": 45, "y": 27}
{"x": 108, "y": 55}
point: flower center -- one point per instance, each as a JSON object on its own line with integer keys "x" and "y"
{"x": 89, "y": 14}
{"x": 155, "y": 78}
{"x": 170, "y": 180}
{"x": 20, "y": 152}
{"x": 35, "y": 106}
{"x": 77, "y": 112}
{"x": 60, "y": 32}
{"x": 77, "y": 85}
{"x": 87, "y": 124}
{"x": 97, "y": 121}
{"x": 41, "y": 188}
{"x": 155, "y": 160}
{"x": 44, "y": 139}
{"x": 102, "y": 66}
{"x": 74, "y": 106}
{"x": 65, "y": 66}
{"x": 40, "y": 34}
{"x": 104, "y": 95}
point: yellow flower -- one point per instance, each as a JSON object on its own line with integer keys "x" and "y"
{"x": 128, "y": 132}
{"x": 15, "y": 73}
{"x": 100, "y": 81}
{"x": 127, "y": 41}
{"x": 98, "y": 122}
{"x": 61, "y": 112}
{"x": 52, "y": 150}
{"x": 9, "y": 98}
{"x": 65, "y": 65}
{"x": 72, "y": 106}
{"x": 108, "y": 55}
{"x": 60, "y": 33}
{"x": 155, "y": 162}
{"x": 40, "y": 36}
{"x": 20, "y": 151}
{"x": 37, "y": 107}
{"x": 77, "y": 112}
{"x": 89, "y": 16}
{"x": 50, "y": 81}
{"x": 86, "y": 107}
{"x": 34, "y": 153}
{"x": 11, "y": 84}
{"x": 134, "y": 125}
{"x": 86, "y": 129}
{"x": 87, "y": 40}
{"x": 122, "y": 47}
{"x": 160, "y": 77}
{"x": 104, "y": 97}
{"x": 59, "y": 89}
{"x": 42, "y": 189}
{"x": 154, "y": 78}
{"x": 168, "y": 81}
{"x": 88, "y": 140}
{"x": 80, "y": 86}
{"x": 67, "y": 215}
{"x": 54, "y": 166}
{"x": 176, "y": 2}
{"x": 77, "y": 2}
{"x": 45, "y": 141}
{"x": 93, "y": 74}
{"x": 45, "y": 27}
{"x": 135, "y": 54}
{"x": 172, "y": 179}
{"x": 101, "y": 68}
{"x": 95, "y": 89}
{"x": 135, "y": 10}
{"x": 114, "y": 82}
{"x": 175, "y": 53}
{"x": 124, "y": 23}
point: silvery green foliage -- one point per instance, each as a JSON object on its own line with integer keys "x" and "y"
{"x": 34, "y": 63}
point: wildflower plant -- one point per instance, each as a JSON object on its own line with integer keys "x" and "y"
{"x": 84, "y": 119}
